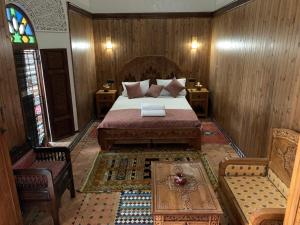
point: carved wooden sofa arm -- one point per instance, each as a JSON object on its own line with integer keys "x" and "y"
{"x": 53, "y": 154}
{"x": 268, "y": 217}
{"x": 243, "y": 166}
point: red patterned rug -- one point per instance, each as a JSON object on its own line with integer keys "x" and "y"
{"x": 211, "y": 134}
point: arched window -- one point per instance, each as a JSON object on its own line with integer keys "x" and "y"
{"x": 28, "y": 69}
{"x": 19, "y": 26}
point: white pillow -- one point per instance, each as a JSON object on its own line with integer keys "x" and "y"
{"x": 165, "y": 83}
{"x": 144, "y": 86}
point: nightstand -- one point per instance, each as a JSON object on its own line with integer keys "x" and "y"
{"x": 104, "y": 101}
{"x": 199, "y": 101}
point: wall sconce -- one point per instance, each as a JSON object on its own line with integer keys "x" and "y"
{"x": 195, "y": 43}
{"x": 108, "y": 44}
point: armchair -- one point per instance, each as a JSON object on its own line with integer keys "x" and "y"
{"x": 255, "y": 189}
{"x": 42, "y": 175}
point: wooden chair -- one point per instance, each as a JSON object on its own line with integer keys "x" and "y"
{"x": 42, "y": 175}
{"x": 255, "y": 190}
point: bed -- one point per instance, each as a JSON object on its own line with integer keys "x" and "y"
{"x": 123, "y": 124}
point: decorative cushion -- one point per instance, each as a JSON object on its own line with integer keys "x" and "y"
{"x": 26, "y": 161}
{"x": 54, "y": 166}
{"x": 278, "y": 183}
{"x": 254, "y": 193}
{"x": 246, "y": 170}
{"x": 144, "y": 86}
{"x": 154, "y": 91}
{"x": 165, "y": 83}
{"x": 134, "y": 90}
{"x": 174, "y": 88}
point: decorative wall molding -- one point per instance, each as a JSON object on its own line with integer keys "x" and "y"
{"x": 230, "y": 6}
{"x": 48, "y": 16}
{"x": 158, "y": 15}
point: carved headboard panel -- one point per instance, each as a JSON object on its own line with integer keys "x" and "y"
{"x": 283, "y": 152}
{"x": 148, "y": 67}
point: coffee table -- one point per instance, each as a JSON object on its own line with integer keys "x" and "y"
{"x": 194, "y": 203}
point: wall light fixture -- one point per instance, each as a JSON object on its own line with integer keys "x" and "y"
{"x": 109, "y": 44}
{"x": 195, "y": 43}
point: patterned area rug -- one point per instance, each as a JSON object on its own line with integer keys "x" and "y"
{"x": 134, "y": 208}
{"x": 130, "y": 167}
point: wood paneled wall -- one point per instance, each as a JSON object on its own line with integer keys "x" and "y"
{"x": 255, "y": 71}
{"x": 170, "y": 37}
{"x": 82, "y": 41}
{"x": 10, "y": 105}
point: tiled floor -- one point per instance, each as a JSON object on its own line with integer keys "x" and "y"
{"x": 100, "y": 209}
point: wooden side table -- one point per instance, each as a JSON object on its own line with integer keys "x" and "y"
{"x": 199, "y": 101}
{"x": 104, "y": 101}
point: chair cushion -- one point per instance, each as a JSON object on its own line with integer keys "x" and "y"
{"x": 254, "y": 193}
{"x": 54, "y": 166}
{"x": 26, "y": 161}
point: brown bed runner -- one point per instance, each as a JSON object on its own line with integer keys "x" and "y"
{"x": 131, "y": 118}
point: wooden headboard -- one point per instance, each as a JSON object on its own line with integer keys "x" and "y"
{"x": 148, "y": 67}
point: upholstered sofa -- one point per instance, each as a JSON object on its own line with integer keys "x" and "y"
{"x": 255, "y": 189}
{"x": 42, "y": 175}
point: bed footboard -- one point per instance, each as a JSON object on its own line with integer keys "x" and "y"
{"x": 109, "y": 136}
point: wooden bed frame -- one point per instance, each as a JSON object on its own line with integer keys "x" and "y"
{"x": 143, "y": 68}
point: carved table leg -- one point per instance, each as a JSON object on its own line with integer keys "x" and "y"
{"x": 214, "y": 220}
{"x": 158, "y": 220}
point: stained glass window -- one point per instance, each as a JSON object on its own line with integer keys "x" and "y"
{"x": 19, "y": 27}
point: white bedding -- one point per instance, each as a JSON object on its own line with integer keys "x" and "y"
{"x": 170, "y": 103}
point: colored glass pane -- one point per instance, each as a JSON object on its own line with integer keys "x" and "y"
{"x": 24, "y": 21}
{"x": 28, "y": 30}
{"x": 19, "y": 28}
{"x": 31, "y": 40}
{"x": 25, "y": 39}
{"x": 22, "y": 29}
{"x": 8, "y": 14}
{"x": 19, "y": 16}
{"x": 12, "y": 11}
{"x": 11, "y": 28}
{"x": 15, "y": 23}
{"x": 17, "y": 38}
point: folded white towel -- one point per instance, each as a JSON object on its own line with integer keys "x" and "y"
{"x": 149, "y": 106}
{"x": 156, "y": 113}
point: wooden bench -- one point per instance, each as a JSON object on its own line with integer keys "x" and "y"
{"x": 255, "y": 190}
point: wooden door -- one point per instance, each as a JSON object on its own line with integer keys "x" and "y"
{"x": 9, "y": 204}
{"x": 9, "y": 93}
{"x": 58, "y": 92}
